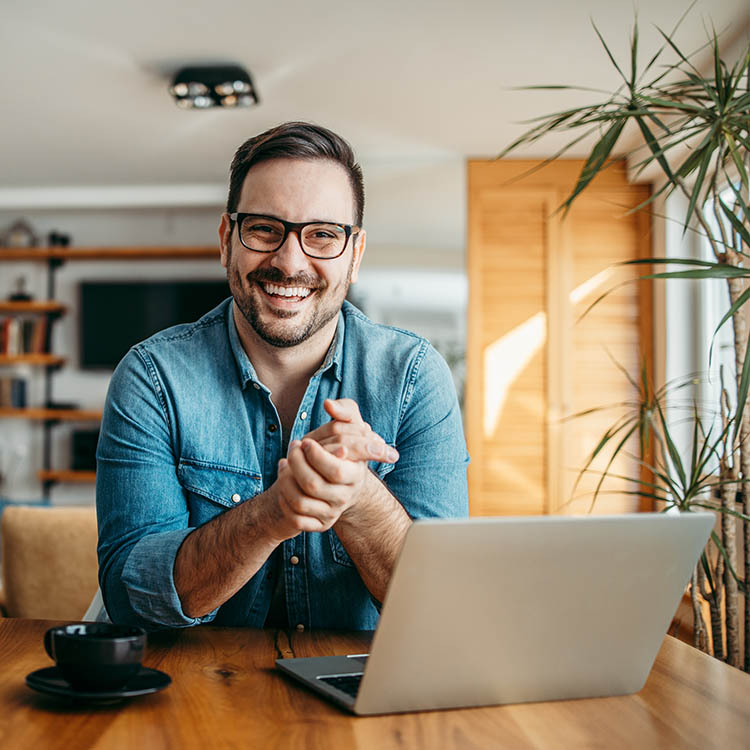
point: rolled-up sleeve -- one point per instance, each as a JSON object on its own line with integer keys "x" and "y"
{"x": 141, "y": 507}
{"x": 430, "y": 476}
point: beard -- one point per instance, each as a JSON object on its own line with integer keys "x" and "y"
{"x": 277, "y": 327}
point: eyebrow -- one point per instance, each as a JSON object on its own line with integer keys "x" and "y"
{"x": 307, "y": 221}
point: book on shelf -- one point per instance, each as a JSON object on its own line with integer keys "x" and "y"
{"x": 13, "y": 392}
{"x": 23, "y": 335}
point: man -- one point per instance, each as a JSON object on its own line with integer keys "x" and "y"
{"x": 262, "y": 465}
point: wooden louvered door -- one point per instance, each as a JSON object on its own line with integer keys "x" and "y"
{"x": 530, "y": 362}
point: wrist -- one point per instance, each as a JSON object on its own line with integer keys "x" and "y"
{"x": 262, "y": 519}
{"x": 364, "y": 497}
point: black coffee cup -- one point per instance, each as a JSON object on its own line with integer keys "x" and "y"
{"x": 96, "y": 656}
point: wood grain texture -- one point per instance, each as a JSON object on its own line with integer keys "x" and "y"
{"x": 531, "y": 363}
{"x": 32, "y": 307}
{"x": 226, "y": 694}
{"x": 111, "y": 253}
{"x": 35, "y": 360}
{"x": 506, "y": 426}
{"x": 52, "y": 415}
{"x": 66, "y": 475}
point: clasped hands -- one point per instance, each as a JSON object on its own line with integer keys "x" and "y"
{"x": 325, "y": 474}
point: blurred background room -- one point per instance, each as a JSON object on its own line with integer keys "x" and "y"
{"x": 111, "y": 193}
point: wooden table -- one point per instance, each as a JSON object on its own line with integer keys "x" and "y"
{"x": 226, "y": 694}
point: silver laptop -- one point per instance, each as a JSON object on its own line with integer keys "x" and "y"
{"x": 485, "y": 611}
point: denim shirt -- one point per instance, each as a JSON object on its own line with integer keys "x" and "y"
{"x": 189, "y": 432}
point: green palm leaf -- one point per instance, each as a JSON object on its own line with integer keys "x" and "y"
{"x": 738, "y": 303}
{"x": 609, "y": 53}
{"x": 737, "y": 225}
{"x": 742, "y": 389}
{"x": 596, "y": 159}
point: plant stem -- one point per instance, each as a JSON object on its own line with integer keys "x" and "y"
{"x": 746, "y": 552}
{"x": 729, "y": 526}
{"x": 745, "y": 461}
{"x": 729, "y": 471}
{"x": 714, "y": 599}
{"x": 700, "y": 635}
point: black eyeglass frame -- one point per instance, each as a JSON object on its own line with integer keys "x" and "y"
{"x": 351, "y": 230}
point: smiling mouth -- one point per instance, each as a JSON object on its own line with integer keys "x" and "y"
{"x": 285, "y": 292}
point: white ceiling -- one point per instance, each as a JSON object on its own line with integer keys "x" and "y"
{"x": 85, "y": 99}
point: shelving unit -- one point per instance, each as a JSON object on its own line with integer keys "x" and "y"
{"x": 54, "y": 258}
{"x": 110, "y": 253}
{"x": 51, "y": 415}
{"x": 65, "y": 475}
{"x": 50, "y": 307}
{"x": 35, "y": 360}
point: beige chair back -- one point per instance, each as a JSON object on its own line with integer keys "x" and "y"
{"x": 49, "y": 565}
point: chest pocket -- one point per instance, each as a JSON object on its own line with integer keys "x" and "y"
{"x": 213, "y": 488}
{"x": 338, "y": 551}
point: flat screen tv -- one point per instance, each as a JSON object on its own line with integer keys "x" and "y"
{"x": 117, "y": 314}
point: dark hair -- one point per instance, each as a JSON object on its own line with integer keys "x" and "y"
{"x": 296, "y": 140}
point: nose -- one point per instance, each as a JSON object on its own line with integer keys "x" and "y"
{"x": 290, "y": 258}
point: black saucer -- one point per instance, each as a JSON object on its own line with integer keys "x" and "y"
{"x": 50, "y": 680}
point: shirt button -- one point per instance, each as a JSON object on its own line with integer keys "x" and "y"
{"x": 236, "y": 498}
{"x": 300, "y": 628}
{"x": 294, "y": 560}
{"x": 303, "y": 415}
{"x": 256, "y": 386}
{"x": 272, "y": 428}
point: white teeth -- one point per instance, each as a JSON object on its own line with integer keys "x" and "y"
{"x": 286, "y": 291}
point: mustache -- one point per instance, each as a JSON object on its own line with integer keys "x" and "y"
{"x": 275, "y": 276}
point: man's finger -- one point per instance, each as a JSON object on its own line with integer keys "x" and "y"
{"x": 309, "y": 477}
{"x": 343, "y": 409}
{"x": 369, "y": 448}
{"x": 338, "y": 429}
{"x": 308, "y": 513}
{"x": 382, "y": 452}
{"x": 328, "y": 467}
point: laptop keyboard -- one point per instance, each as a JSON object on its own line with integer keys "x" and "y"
{"x": 348, "y": 683}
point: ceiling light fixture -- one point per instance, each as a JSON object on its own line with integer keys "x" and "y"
{"x": 206, "y": 86}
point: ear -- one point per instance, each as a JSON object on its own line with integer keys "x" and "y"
{"x": 359, "y": 251}
{"x": 225, "y": 238}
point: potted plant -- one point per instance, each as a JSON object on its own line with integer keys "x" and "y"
{"x": 694, "y": 128}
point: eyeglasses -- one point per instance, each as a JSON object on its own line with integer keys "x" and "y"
{"x": 266, "y": 234}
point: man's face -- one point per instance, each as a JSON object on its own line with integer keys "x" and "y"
{"x": 297, "y": 191}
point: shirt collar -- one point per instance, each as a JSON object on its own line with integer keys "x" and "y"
{"x": 245, "y": 366}
{"x": 336, "y": 349}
